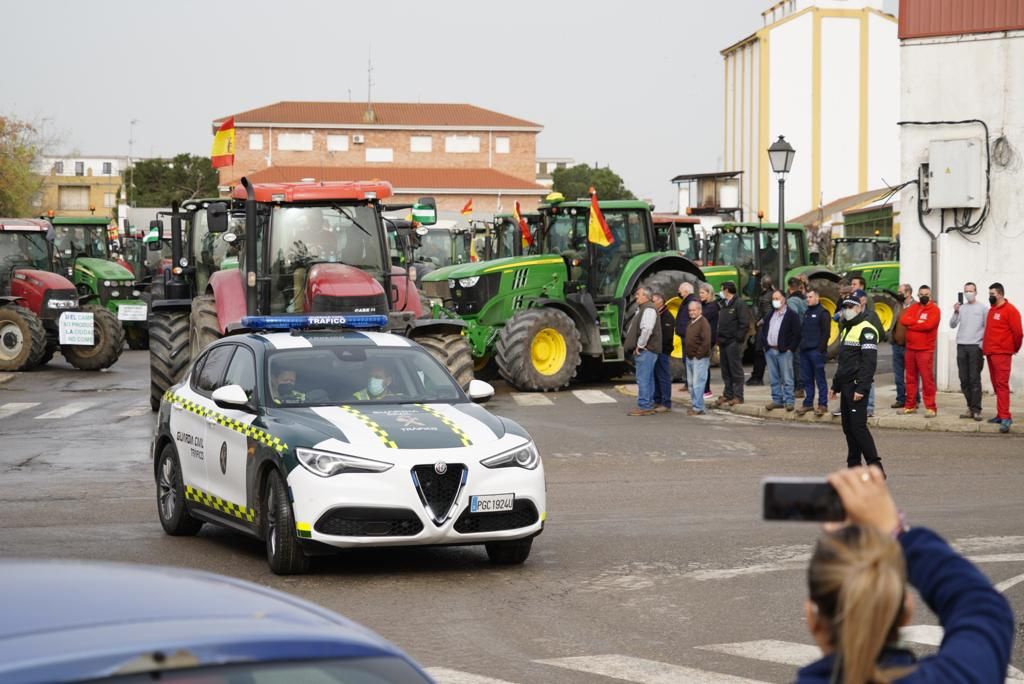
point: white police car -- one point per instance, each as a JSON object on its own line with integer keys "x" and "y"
{"x": 318, "y": 438}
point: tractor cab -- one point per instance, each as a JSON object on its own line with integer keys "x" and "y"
{"x": 444, "y": 244}
{"x": 849, "y": 251}
{"x": 752, "y": 249}
{"x": 679, "y": 233}
{"x": 507, "y": 236}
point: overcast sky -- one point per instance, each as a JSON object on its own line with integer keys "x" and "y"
{"x": 634, "y": 85}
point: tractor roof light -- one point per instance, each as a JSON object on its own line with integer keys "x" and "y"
{"x": 314, "y": 322}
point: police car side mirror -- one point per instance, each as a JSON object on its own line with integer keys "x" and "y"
{"x": 479, "y": 391}
{"x": 231, "y": 397}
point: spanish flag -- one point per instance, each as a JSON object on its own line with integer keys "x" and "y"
{"x": 598, "y": 231}
{"x": 223, "y": 151}
{"x": 524, "y": 227}
{"x": 468, "y": 209}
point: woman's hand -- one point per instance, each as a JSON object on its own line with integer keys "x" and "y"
{"x": 866, "y": 498}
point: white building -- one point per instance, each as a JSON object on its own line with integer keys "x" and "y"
{"x": 82, "y": 165}
{"x": 825, "y": 75}
{"x": 963, "y": 66}
{"x": 546, "y": 167}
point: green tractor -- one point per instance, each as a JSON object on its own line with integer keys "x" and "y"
{"x": 877, "y": 260}
{"x": 538, "y": 319}
{"x": 439, "y": 246}
{"x": 679, "y": 233}
{"x": 82, "y": 251}
{"x": 743, "y": 252}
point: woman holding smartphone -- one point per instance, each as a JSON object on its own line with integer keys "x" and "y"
{"x": 858, "y": 597}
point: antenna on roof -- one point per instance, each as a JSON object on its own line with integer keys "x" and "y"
{"x": 369, "y": 116}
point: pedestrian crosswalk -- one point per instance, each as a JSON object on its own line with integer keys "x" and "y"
{"x": 585, "y": 396}
{"x": 47, "y": 411}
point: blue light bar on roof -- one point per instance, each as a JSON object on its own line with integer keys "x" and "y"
{"x": 315, "y": 321}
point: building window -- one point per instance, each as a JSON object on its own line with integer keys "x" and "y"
{"x": 73, "y": 197}
{"x": 109, "y": 199}
{"x": 296, "y": 142}
{"x": 421, "y": 143}
{"x": 255, "y": 141}
{"x": 462, "y": 144}
{"x": 58, "y": 167}
{"x": 337, "y": 143}
{"x": 379, "y": 154}
{"x": 502, "y": 145}
{"x": 79, "y": 168}
{"x": 37, "y": 199}
{"x": 108, "y": 168}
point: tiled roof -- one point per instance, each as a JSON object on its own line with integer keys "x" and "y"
{"x": 402, "y": 178}
{"x": 385, "y": 114}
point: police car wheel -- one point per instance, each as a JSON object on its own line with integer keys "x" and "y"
{"x": 514, "y": 552}
{"x": 284, "y": 554}
{"x": 170, "y": 497}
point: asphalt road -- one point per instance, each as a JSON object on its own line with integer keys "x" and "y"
{"x": 654, "y": 566}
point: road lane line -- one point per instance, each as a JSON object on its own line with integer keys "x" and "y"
{"x": 531, "y": 399}
{"x": 139, "y": 410}
{"x": 769, "y": 650}
{"x": 445, "y": 676}
{"x": 68, "y": 409}
{"x": 593, "y": 396}
{"x": 1006, "y": 584}
{"x": 643, "y": 671}
{"x": 14, "y": 407}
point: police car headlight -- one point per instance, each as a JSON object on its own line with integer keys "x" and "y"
{"x": 326, "y": 464}
{"x": 525, "y": 456}
{"x": 469, "y": 282}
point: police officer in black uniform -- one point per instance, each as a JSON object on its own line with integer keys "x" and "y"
{"x": 858, "y": 356}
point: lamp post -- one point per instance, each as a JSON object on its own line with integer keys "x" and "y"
{"x": 781, "y": 154}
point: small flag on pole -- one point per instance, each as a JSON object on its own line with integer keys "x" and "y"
{"x": 223, "y": 151}
{"x": 468, "y": 209}
{"x": 524, "y": 227}
{"x": 598, "y": 231}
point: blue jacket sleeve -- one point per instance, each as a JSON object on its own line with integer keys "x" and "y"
{"x": 795, "y": 333}
{"x": 977, "y": 619}
{"x": 826, "y": 331}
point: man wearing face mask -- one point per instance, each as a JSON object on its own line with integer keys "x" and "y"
{"x": 377, "y": 385}
{"x": 1003, "y": 338}
{"x": 921, "y": 320}
{"x": 282, "y": 386}
{"x": 780, "y": 337}
{"x": 905, "y": 296}
{"x": 858, "y": 358}
{"x": 969, "y": 321}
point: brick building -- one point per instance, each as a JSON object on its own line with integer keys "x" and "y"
{"x": 452, "y": 151}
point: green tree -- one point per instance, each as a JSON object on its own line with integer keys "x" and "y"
{"x": 575, "y": 182}
{"x": 20, "y": 148}
{"x": 158, "y": 182}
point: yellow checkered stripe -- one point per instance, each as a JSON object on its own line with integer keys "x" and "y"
{"x": 466, "y": 441}
{"x": 219, "y": 504}
{"x": 372, "y": 424}
{"x": 261, "y": 436}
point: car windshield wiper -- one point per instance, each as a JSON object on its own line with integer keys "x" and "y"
{"x": 358, "y": 225}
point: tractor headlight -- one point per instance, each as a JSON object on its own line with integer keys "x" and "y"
{"x": 115, "y": 293}
{"x": 525, "y": 456}
{"x": 469, "y": 282}
{"x": 326, "y": 463}
{"x": 136, "y": 294}
{"x": 107, "y": 283}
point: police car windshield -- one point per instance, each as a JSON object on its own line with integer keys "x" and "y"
{"x": 346, "y": 373}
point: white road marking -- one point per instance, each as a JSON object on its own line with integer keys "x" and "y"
{"x": 138, "y": 410}
{"x": 998, "y": 558}
{"x": 929, "y": 635}
{"x": 1006, "y": 584}
{"x": 16, "y": 407}
{"x": 445, "y": 676}
{"x": 68, "y": 409}
{"x": 769, "y": 650}
{"x": 531, "y": 399}
{"x": 643, "y": 671}
{"x": 593, "y": 396}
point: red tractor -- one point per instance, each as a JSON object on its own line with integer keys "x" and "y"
{"x": 40, "y": 311}
{"x": 318, "y": 248}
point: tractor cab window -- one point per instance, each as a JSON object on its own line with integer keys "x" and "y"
{"x": 687, "y": 243}
{"x": 212, "y": 252}
{"x": 627, "y": 230}
{"x": 768, "y": 243}
{"x": 436, "y": 248}
{"x": 21, "y": 250}
{"x": 72, "y": 242}
{"x": 561, "y": 236}
{"x": 848, "y": 253}
{"x": 302, "y": 237}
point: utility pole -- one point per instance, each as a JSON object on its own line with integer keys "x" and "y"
{"x": 369, "y": 117}
{"x": 131, "y": 160}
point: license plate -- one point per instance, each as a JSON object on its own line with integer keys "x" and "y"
{"x": 132, "y": 312}
{"x": 492, "y": 503}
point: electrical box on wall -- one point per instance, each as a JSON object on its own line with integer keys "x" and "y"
{"x": 956, "y": 174}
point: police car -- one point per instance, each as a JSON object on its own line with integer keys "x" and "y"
{"x": 317, "y": 438}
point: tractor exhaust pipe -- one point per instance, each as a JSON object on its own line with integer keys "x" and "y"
{"x": 251, "y": 293}
{"x": 176, "y": 247}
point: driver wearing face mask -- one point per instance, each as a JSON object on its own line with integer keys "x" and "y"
{"x": 378, "y": 385}
{"x": 282, "y": 387}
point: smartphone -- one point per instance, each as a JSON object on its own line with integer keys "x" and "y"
{"x": 801, "y": 499}
{"x": 960, "y": 297}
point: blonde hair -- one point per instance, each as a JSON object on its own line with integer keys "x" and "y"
{"x": 857, "y": 579}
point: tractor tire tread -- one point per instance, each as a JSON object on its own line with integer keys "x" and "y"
{"x": 452, "y": 350}
{"x": 512, "y": 350}
{"x": 36, "y": 333}
{"x": 106, "y": 351}
{"x": 169, "y": 354}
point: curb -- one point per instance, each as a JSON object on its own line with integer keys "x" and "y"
{"x": 6, "y": 378}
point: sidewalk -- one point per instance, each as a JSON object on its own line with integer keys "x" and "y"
{"x": 950, "y": 406}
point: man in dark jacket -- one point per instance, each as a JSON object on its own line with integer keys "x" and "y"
{"x": 815, "y": 329}
{"x": 710, "y": 313}
{"x": 662, "y": 367}
{"x": 733, "y": 326}
{"x": 683, "y": 319}
{"x": 762, "y": 307}
{"x": 779, "y": 334}
{"x": 858, "y": 357}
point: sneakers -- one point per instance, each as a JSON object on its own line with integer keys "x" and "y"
{"x": 735, "y": 402}
{"x": 641, "y": 412}
{"x": 908, "y": 411}
{"x": 802, "y": 410}
{"x": 820, "y": 410}
{"x": 771, "y": 406}
{"x": 996, "y": 421}
{"x": 930, "y": 413}
{"x": 967, "y": 416}
{"x": 1004, "y": 426}
{"x": 708, "y": 395}
{"x": 789, "y": 407}
{"x": 897, "y": 404}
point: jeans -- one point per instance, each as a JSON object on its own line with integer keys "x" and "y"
{"x": 696, "y": 377}
{"x": 645, "y": 362}
{"x": 969, "y": 362}
{"x": 663, "y": 382}
{"x": 921, "y": 367}
{"x": 731, "y": 365}
{"x": 812, "y": 372}
{"x": 780, "y": 373}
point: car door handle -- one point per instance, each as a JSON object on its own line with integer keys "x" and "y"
{"x": 177, "y": 407}
{"x": 211, "y": 420}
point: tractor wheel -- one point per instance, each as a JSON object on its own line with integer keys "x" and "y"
{"x": 22, "y": 339}
{"x": 137, "y": 336}
{"x": 109, "y": 342}
{"x": 829, "y": 293}
{"x": 168, "y": 352}
{"x": 51, "y": 349}
{"x": 484, "y": 368}
{"x": 452, "y": 350}
{"x": 538, "y": 350}
{"x": 666, "y": 283}
{"x": 888, "y": 311}
{"x": 677, "y": 369}
{"x": 203, "y": 327}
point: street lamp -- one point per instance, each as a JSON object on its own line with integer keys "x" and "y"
{"x": 781, "y": 154}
